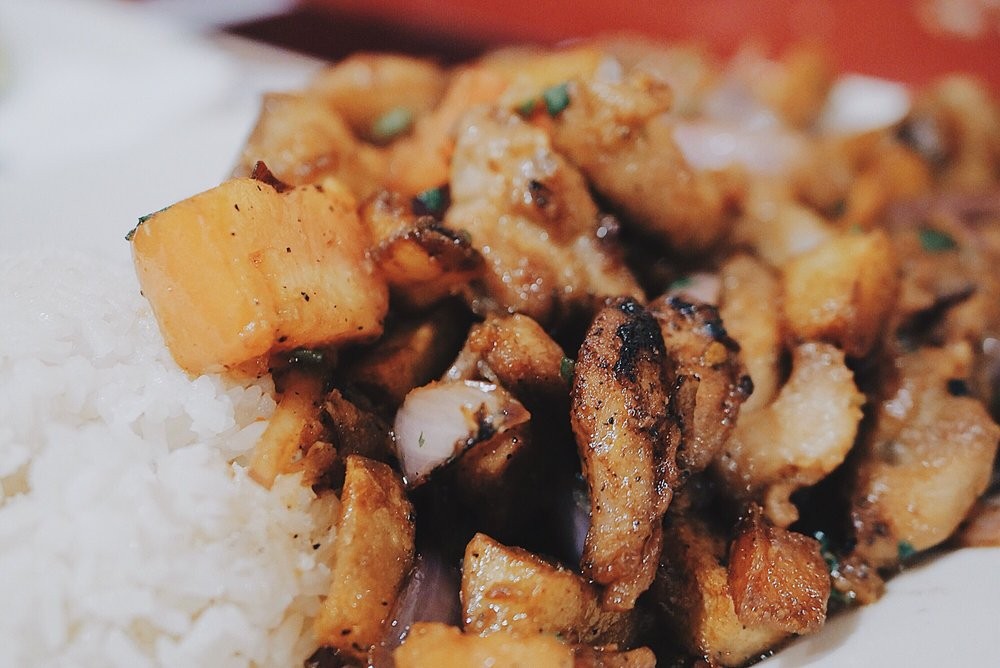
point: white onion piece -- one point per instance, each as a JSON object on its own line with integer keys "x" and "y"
{"x": 698, "y": 287}
{"x": 439, "y": 421}
{"x": 713, "y": 145}
{"x": 858, "y": 103}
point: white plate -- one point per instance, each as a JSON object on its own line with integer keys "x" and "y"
{"x": 162, "y": 116}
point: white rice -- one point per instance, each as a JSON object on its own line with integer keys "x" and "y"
{"x": 130, "y": 534}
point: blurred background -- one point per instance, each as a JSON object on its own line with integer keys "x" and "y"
{"x": 910, "y": 40}
{"x": 110, "y": 99}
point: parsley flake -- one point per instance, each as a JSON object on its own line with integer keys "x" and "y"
{"x": 556, "y": 98}
{"x": 391, "y": 124}
{"x": 936, "y": 241}
{"x": 527, "y": 107}
{"x": 431, "y": 202}
{"x": 680, "y": 283}
{"x": 567, "y": 369}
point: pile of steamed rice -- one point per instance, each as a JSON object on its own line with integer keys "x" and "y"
{"x": 130, "y": 534}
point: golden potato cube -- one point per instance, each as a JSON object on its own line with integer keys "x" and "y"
{"x": 240, "y": 270}
{"x": 433, "y": 645}
{"x": 842, "y": 291}
{"x": 511, "y": 590}
{"x": 692, "y": 590}
{"x": 295, "y": 424}
{"x": 372, "y": 554}
{"x": 777, "y": 578}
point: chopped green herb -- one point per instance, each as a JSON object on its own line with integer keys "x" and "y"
{"x": 431, "y": 202}
{"x": 391, "y": 124}
{"x": 680, "y": 283}
{"x": 840, "y": 598}
{"x": 832, "y": 562}
{"x": 527, "y": 107}
{"x": 567, "y": 369}
{"x": 420, "y": 440}
{"x": 936, "y": 241}
{"x": 556, "y": 98}
{"x": 143, "y": 219}
{"x": 905, "y": 550}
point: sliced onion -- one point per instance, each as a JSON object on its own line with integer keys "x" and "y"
{"x": 699, "y": 287}
{"x": 439, "y": 421}
{"x": 430, "y": 595}
{"x": 859, "y": 104}
{"x": 714, "y": 145}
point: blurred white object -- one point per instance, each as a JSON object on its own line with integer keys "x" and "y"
{"x": 86, "y": 78}
{"x": 859, "y": 103}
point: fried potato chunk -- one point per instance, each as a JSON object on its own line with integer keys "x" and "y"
{"x": 749, "y": 304}
{"x": 294, "y": 425}
{"x": 614, "y": 130}
{"x": 592, "y": 657}
{"x": 777, "y": 227}
{"x": 302, "y": 141}
{"x": 422, "y": 260}
{"x": 434, "y": 645}
{"x": 627, "y": 439}
{"x": 372, "y": 554}
{"x": 410, "y": 354}
{"x": 365, "y": 87}
{"x": 925, "y": 462}
{"x": 777, "y": 578}
{"x": 530, "y": 71}
{"x": 242, "y": 270}
{"x": 530, "y": 214}
{"x": 422, "y": 160}
{"x": 712, "y": 382}
{"x": 842, "y": 291}
{"x": 515, "y": 352}
{"x": 799, "y": 438}
{"x": 507, "y": 589}
{"x": 695, "y": 601}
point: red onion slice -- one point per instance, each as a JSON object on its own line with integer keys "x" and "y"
{"x": 439, "y": 421}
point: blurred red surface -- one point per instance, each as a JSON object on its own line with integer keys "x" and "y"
{"x": 891, "y": 38}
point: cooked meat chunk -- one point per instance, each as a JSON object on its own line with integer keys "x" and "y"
{"x": 377, "y": 93}
{"x": 531, "y": 216}
{"x": 422, "y": 260}
{"x": 694, "y": 599}
{"x": 627, "y": 437}
{"x": 797, "y": 440}
{"x": 926, "y": 460}
{"x": 842, "y": 292}
{"x": 509, "y": 590}
{"x": 777, "y": 578}
{"x": 749, "y": 305}
{"x": 303, "y": 141}
{"x": 711, "y": 380}
{"x": 412, "y": 353}
{"x": 615, "y": 130}
{"x": 423, "y": 159}
{"x": 515, "y": 352}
